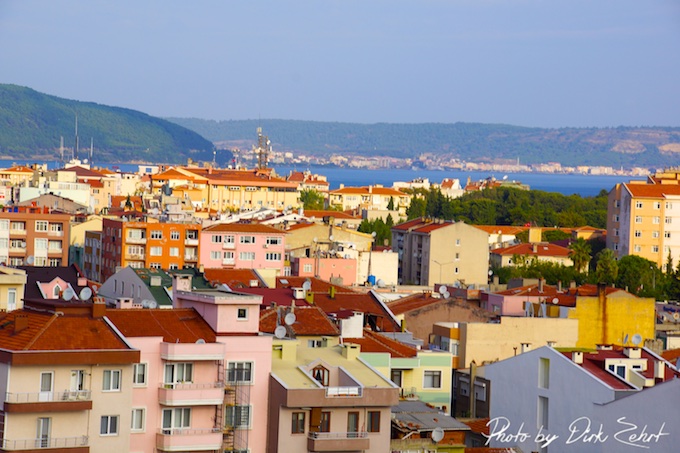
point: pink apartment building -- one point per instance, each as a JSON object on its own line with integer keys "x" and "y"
{"x": 242, "y": 246}
{"x": 202, "y": 380}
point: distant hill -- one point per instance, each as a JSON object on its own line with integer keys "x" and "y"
{"x": 621, "y": 146}
{"x": 31, "y": 124}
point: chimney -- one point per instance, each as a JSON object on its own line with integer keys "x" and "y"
{"x": 559, "y": 286}
{"x": 98, "y": 308}
{"x": 577, "y": 357}
{"x": 20, "y": 322}
{"x": 526, "y": 347}
{"x": 534, "y": 248}
{"x": 659, "y": 369}
{"x": 351, "y": 351}
{"x": 632, "y": 353}
{"x": 540, "y": 285}
{"x": 370, "y": 189}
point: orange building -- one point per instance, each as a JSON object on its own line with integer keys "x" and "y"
{"x": 33, "y": 235}
{"x": 148, "y": 244}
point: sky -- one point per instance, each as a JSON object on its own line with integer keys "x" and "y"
{"x": 543, "y": 63}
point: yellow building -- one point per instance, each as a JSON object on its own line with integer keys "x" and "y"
{"x": 12, "y": 285}
{"x": 370, "y": 198}
{"x": 612, "y": 316}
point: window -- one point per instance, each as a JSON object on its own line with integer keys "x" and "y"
{"x": 667, "y": 234}
{"x": 638, "y": 219}
{"x": 178, "y": 372}
{"x": 638, "y": 233}
{"x": 237, "y": 416}
{"x": 273, "y": 241}
{"x": 191, "y": 234}
{"x": 174, "y": 235}
{"x": 108, "y": 425}
{"x": 321, "y": 375}
{"x": 615, "y": 217}
{"x": 637, "y": 248}
{"x": 542, "y": 416}
{"x": 40, "y": 244}
{"x": 17, "y": 226}
{"x": 617, "y": 203}
{"x": 669, "y": 205}
{"x": 616, "y": 231}
{"x": 655, "y": 249}
{"x": 396, "y": 377}
{"x": 325, "y": 425}
{"x": 77, "y": 380}
{"x": 111, "y": 381}
{"x": 242, "y": 313}
{"x": 44, "y": 425}
{"x": 273, "y": 256}
{"x": 40, "y": 225}
{"x": 229, "y": 239}
{"x": 544, "y": 373}
{"x": 638, "y": 204}
{"x": 173, "y": 266}
{"x": 137, "y": 250}
{"x": 11, "y": 299}
{"x": 457, "y": 256}
{"x": 246, "y": 256}
{"x": 455, "y": 270}
{"x": 240, "y": 372}
{"x": 620, "y": 370}
{"x": 215, "y": 255}
{"x": 432, "y": 379}
{"x": 655, "y": 234}
{"x": 352, "y": 424}
{"x": 457, "y": 241}
{"x": 156, "y": 251}
{"x": 313, "y": 343}
{"x": 307, "y": 268}
{"x": 137, "y": 421}
{"x": 174, "y": 251}
{"x": 156, "y": 234}
{"x": 656, "y": 220}
{"x": 154, "y": 265}
{"x": 298, "y": 423}
{"x": 216, "y": 238}
{"x": 176, "y": 419}
{"x": 139, "y": 374}
{"x": 657, "y": 205}
{"x": 247, "y": 239}
{"x": 136, "y": 234}
{"x": 373, "y": 422}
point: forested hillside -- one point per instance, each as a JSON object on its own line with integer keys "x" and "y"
{"x": 31, "y": 124}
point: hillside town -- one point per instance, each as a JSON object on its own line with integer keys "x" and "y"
{"x": 194, "y": 308}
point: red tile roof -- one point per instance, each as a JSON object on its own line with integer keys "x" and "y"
{"x": 412, "y": 302}
{"x": 364, "y": 190}
{"x": 374, "y": 342}
{"x": 528, "y": 250}
{"x": 243, "y": 228}
{"x": 309, "y": 321}
{"x": 365, "y": 303}
{"x": 335, "y": 214}
{"x": 17, "y": 169}
{"x": 672, "y": 355}
{"x": 182, "y": 325}
{"x": 478, "y": 425}
{"x": 82, "y": 172}
{"x": 405, "y": 226}
{"x": 53, "y": 332}
{"x": 233, "y": 278}
{"x": 652, "y": 190}
{"x": 318, "y": 285}
{"x": 502, "y": 229}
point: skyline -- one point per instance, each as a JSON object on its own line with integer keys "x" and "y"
{"x": 529, "y": 63}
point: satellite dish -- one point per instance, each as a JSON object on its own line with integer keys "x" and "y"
{"x": 374, "y": 234}
{"x": 381, "y": 283}
{"x": 289, "y": 319}
{"x": 676, "y": 316}
{"x": 446, "y": 295}
{"x": 625, "y": 340}
{"x": 330, "y": 238}
{"x": 307, "y": 285}
{"x": 145, "y": 303}
{"x": 68, "y": 294}
{"x": 85, "y": 293}
{"x": 30, "y": 260}
{"x": 280, "y": 332}
{"x": 555, "y": 300}
{"x": 153, "y": 304}
{"x": 200, "y": 341}
{"x": 437, "y": 434}
{"x": 637, "y": 339}
{"x": 442, "y": 289}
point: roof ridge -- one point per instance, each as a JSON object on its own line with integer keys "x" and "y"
{"x": 42, "y": 331}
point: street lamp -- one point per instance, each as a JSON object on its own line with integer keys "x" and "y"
{"x": 440, "y": 267}
{"x": 370, "y": 254}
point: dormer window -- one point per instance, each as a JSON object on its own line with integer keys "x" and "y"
{"x": 321, "y": 375}
{"x": 56, "y": 291}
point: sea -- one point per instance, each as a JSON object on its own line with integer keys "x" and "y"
{"x": 566, "y": 184}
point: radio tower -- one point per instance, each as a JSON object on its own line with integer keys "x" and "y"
{"x": 263, "y": 149}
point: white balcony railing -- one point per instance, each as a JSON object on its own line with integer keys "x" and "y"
{"x": 351, "y": 435}
{"x": 333, "y": 392}
{"x": 44, "y": 442}
{"x": 41, "y": 397}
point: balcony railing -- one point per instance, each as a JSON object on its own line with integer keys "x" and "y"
{"x": 335, "y": 392}
{"x": 130, "y": 240}
{"x": 352, "y": 435}
{"x": 186, "y": 439}
{"x": 229, "y": 245}
{"x": 190, "y": 257}
{"x": 338, "y": 441}
{"x": 45, "y": 442}
{"x": 191, "y": 394}
{"x": 190, "y": 241}
{"x": 41, "y": 397}
{"x": 55, "y": 233}
{"x": 134, "y": 256}
{"x": 228, "y": 261}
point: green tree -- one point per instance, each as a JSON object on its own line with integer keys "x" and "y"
{"x": 416, "y": 208}
{"x": 638, "y": 276}
{"x": 607, "y": 269}
{"x": 390, "y": 205}
{"x": 312, "y": 199}
{"x": 579, "y": 251}
{"x": 128, "y": 203}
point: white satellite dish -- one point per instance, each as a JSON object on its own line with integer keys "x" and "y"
{"x": 280, "y": 332}
{"x": 68, "y": 294}
{"x": 289, "y": 319}
{"x": 637, "y": 339}
{"x": 437, "y": 434}
{"x": 555, "y": 300}
{"x": 446, "y": 295}
{"x": 381, "y": 283}
{"x": 145, "y": 303}
{"x": 625, "y": 340}
{"x": 307, "y": 285}
{"x": 153, "y": 304}
{"x": 85, "y": 293}
{"x": 374, "y": 234}
{"x": 200, "y": 341}
{"x": 30, "y": 260}
{"x": 442, "y": 289}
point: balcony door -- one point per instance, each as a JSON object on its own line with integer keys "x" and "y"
{"x": 46, "y": 382}
{"x": 43, "y": 434}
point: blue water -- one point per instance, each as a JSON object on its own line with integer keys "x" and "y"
{"x": 567, "y": 184}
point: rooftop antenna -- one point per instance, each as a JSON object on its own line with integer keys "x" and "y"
{"x": 61, "y": 150}
{"x": 214, "y": 158}
{"x": 91, "y": 149}
{"x": 75, "y": 148}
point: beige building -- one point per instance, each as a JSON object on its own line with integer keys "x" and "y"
{"x": 12, "y": 285}
{"x": 34, "y": 236}
{"x": 526, "y": 252}
{"x": 441, "y": 251}
{"x": 369, "y": 198}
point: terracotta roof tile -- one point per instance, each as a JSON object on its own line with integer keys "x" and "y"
{"x": 243, "y": 228}
{"x": 336, "y": 214}
{"x": 412, "y": 302}
{"x": 503, "y": 229}
{"x": 528, "y": 250}
{"x": 478, "y": 425}
{"x": 309, "y": 321}
{"x": 365, "y": 190}
{"x": 182, "y": 325}
{"x": 374, "y": 342}
{"x": 233, "y": 278}
{"x": 652, "y": 190}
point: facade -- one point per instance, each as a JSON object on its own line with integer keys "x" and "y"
{"x": 644, "y": 220}
{"x": 66, "y": 374}
{"x": 369, "y": 198}
{"x": 437, "y": 251}
{"x": 12, "y": 285}
{"x": 33, "y": 236}
{"x": 331, "y": 268}
{"x": 327, "y": 399}
{"x": 543, "y": 252}
{"x": 148, "y": 244}
{"x": 243, "y": 246}
{"x": 92, "y": 255}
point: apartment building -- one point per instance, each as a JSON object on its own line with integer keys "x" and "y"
{"x": 371, "y": 198}
{"x": 12, "y": 285}
{"x": 440, "y": 251}
{"x": 149, "y": 244}
{"x": 66, "y": 377}
{"x": 35, "y": 236}
{"x": 644, "y": 220}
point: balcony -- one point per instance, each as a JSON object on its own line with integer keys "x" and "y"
{"x": 358, "y": 441}
{"x": 229, "y": 246}
{"x": 55, "y": 233}
{"x": 191, "y": 394}
{"x": 190, "y": 257}
{"x": 228, "y": 261}
{"x": 189, "y": 352}
{"x": 71, "y": 444}
{"x": 333, "y": 392}
{"x": 190, "y": 241}
{"x": 130, "y": 240}
{"x": 79, "y": 400}
{"x": 184, "y": 439}
{"x": 135, "y": 257}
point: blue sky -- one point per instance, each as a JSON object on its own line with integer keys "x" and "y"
{"x": 547, "y": 63}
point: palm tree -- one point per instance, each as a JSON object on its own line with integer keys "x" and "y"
{"x": 580, "y": 254}
{"x": 607, "y": 269}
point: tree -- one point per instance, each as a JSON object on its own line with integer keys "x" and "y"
{"x": 128, "y": 203}
{"x": 607, "y": 269}
{"x": 312, "y": 199}
{"x": 580, "y": 254}
{"x": 638, "y": 275}
{"x": 390, "y": 205}
{"x": 416, "y": 208}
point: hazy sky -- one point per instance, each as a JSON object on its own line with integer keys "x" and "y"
{"x": 549, "y": 63}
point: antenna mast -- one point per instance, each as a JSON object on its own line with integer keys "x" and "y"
{"x": 75, "y": 148}
{"x": 263, "y": 148}
{"x": 61, "y": 149}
